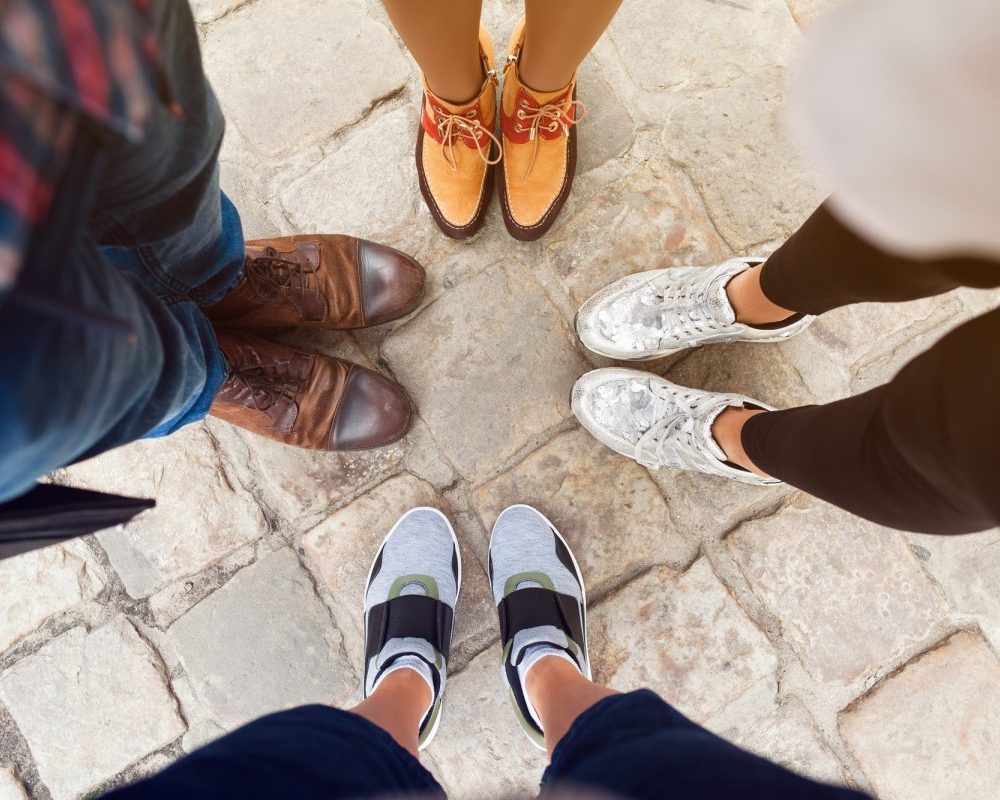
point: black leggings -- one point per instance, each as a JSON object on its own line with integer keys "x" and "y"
{"x": 920, "y": 453}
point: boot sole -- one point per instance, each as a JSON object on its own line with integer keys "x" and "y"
{"x": 454, "y": 231}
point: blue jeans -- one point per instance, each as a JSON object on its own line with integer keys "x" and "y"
{"x": 632, "y": 746}
{"x": 103, "y": 341}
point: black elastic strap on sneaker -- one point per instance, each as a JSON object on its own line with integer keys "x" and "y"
{"x": 536, "y": 607}
{"x": 409, "y": 616}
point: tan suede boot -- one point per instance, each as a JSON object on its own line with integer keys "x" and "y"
{"x": 539, "y": 147}
{"x": 456, "y": 153}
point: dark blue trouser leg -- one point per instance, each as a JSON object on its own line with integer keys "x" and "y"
{"x": 636, "y": 747}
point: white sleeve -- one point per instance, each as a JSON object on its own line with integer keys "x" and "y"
{"x": 898, "y": 104}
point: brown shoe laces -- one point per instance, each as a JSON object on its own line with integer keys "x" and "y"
{"x": 270, "y": 276}
{"x": 265, "y": 383}
{"x": 550, "y": 117}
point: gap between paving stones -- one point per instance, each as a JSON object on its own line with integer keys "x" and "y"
{"x": 388, "y": 101}
{"x": 14, "y": 751}
{"x": 110, "y": 601}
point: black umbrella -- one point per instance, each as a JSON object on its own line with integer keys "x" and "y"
{"x": 49, "y": 514}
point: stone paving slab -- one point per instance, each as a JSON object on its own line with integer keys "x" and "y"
{"x": 605, "y": 113}
{"x": 262, "y": 643}
{"x": 211, "y": 10}
{"x": 808, "y": 11}
{"x": 43, "y": 583}
{"x": 645, "y": 220}
{"x": 968, "y": 569}
{"x": 682, "y": 635}
{"x": 732, "y": 143}
{"x": 610, "y": 512}
{"x": 480, "y": 750}
{"x": 784, "y": 732}
{"x": 851, "y": 596}
{"x": 299, "y": 486}
{"x": 90, "y": 704}
{"x": 10, "y": 786}
{"x": 277, "y": 118}
{"x": 931, "y": 730}
{"x": 493, "y": 354}
{"x": 701, "y": 45}
{"x": 201, "y": 514}
{"x": 364, "y": 187}
{"x": 341, "y": 551}
{"x": 870, "y": 342}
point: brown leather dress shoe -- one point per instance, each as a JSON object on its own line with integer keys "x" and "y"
{"x": 320, "y": 281}
{"x": 307, "y": 400}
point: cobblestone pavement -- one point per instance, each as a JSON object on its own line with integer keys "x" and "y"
{"x": 847, "y": 651}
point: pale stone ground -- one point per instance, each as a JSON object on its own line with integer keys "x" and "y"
{"x": 846, "y": 651}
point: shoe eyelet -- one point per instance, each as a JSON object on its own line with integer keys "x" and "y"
{"x": 519, "y": 128}
{"x": 520, "y": 113}
{"x": 471, "y": 113}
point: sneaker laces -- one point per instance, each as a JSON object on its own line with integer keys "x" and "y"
{"x": 681, "y": 310}
{"x": 700, "y": 303}
{"x": 270, "y": 275}
{"x": 675, "y": 424}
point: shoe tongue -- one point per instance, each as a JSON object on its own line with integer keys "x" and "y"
{"x": 544, "y": 634}
{"x": 456, "y": 108}
{"x": 705, "y": 424}
{"x": 404, "y": 646}
{"x": 718, "y": 300}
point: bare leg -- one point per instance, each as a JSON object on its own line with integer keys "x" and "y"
{"x": 749, "y": 302}
{"x": 559, "y": 694}
{"x": 557, "y": 37}
{"x": 727, "y": 430}
{"x": 398, "y": 707}
{"x": 443, "y": 36}
{"x": 752, "y": 307}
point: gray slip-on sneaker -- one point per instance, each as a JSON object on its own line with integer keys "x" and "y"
{"x": 541, "y": 603}
{"x": 410, "y": 603}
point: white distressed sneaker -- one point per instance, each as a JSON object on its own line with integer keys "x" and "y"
{"x": 655, "y": 313}
{"x": 658, "y": 423}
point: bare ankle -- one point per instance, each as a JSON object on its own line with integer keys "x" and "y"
{"x": 750, "y": 304}
{"x": 459, "y": 89}
{"x": 542, "y": 75}
{"x": 548, "y": 669}
{"x": 727, "y": 430}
